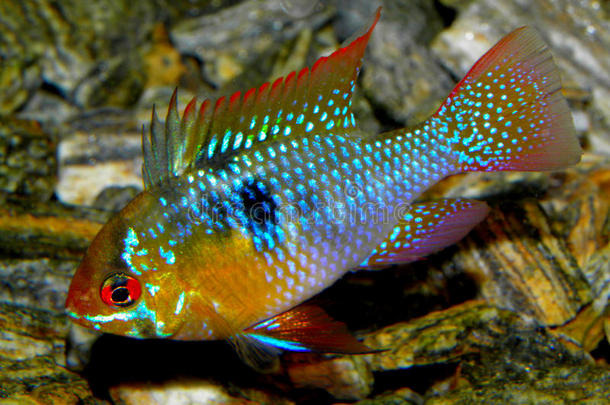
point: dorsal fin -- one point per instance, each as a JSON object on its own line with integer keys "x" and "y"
{"x": 312, "y": 100}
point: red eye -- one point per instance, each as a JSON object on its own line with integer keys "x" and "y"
{"x": 120, "y": 290}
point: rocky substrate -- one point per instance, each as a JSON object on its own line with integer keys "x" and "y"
{"x": 517, "y": 312}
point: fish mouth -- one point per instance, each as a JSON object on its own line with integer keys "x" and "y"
{"x": 80, "y": 320}
{"x": 76, "y": 308}
{"x": 70, "y": 308}
{"x": 75, "y": 316}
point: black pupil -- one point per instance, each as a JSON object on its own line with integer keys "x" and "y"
{"x": 120, "y": 294}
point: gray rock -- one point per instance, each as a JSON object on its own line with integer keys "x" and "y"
{"x": 112, "y": 159}
{"x": 114, "y": 198}
{"x": 79, "y": 49}
{"x": 242, "y": 40}
{"x": 401, "y": 79}
{"x": 49, "y": 108}
{"x": 41, "y": 283}
{"x": 345, "y": 378}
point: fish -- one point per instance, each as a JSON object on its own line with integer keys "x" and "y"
{"x": 256, "y": 202}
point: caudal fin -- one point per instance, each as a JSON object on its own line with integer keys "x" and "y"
{"x": 508, "y": 112}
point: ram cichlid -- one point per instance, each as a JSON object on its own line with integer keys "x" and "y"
{"x": 256, "y": 202}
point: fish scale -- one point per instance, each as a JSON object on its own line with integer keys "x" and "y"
{"x": 256, "y": 202}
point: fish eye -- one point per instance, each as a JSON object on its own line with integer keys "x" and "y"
{"x": 120, "y": 290}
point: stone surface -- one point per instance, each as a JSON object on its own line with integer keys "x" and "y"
{"x": 523, "y": 266}
{"x": 28, "y": 333}
{"x": 401, "y": 77}
{"x": 458, "y": 332}
{"x": 46, "y": 231}
{"x": 561, "y": 236}
{"x": 114, "y": 198}
{"x": 403, "y": 396}
{"x": 72, "y": 47}
{"x": 113, "y": 159}
{"x": 241, "y": 40}
{"x": 36, "y": 282}
{"x": 32, "y": 350}
{"x": 40, "y": 381}
{"x": 576, "y": 384}
{"x": 28, "y": 163}
{"x": 347, "y": 378}
{"x": 191, "y": 392}
{"x": 501, "y": 354}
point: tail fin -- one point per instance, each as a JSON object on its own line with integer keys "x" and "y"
{"x": 508, "y": 112}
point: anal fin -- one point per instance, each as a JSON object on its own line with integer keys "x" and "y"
{"x": 427, "y": 228}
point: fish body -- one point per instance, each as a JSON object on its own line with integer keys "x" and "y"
{"x": 259, "y": 201}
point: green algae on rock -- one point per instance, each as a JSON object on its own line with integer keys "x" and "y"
{"x": 557, "y": 384}
{"x": 76, "y": 47}
{"x": 32, "y": 351}
{"x": 39, "y": 380}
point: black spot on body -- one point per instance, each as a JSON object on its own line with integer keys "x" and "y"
{"x": 259, "y": 207}
{"x": 259, "y": 213}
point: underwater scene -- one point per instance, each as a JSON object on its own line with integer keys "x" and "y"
{"x": 305, "y": 202}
